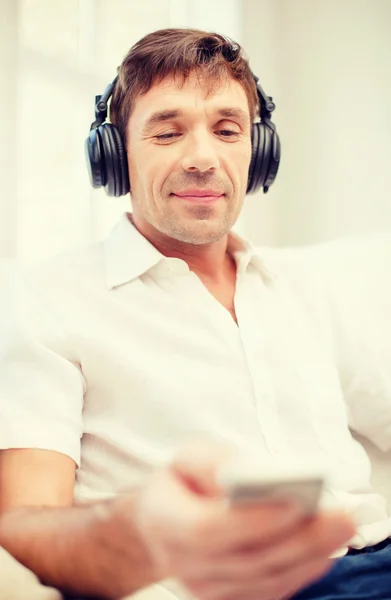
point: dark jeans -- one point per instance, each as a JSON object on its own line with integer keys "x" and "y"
{"x": 360, "y": 575}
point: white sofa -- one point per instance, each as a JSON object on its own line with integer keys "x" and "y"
{"x": 357, "y": 274}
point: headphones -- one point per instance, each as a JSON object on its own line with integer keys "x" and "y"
{"x": 106, "y": 155}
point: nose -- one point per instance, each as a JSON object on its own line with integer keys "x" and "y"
{"x": 200, "y": 154}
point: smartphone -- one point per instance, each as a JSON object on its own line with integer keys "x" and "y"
{"x": 247, "y": 481}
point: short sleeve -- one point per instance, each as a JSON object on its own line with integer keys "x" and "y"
{"x": 41, "y": 383}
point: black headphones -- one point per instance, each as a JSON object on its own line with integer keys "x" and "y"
{"x": 106, "y": 155}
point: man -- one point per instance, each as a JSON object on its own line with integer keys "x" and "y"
{"x": 133, "y": 370}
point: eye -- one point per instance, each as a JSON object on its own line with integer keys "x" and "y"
{"x": 228, "y": 133}
{"x": 167, "y": 136}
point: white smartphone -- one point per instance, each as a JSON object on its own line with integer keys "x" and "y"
{"x": 246, "y": 481}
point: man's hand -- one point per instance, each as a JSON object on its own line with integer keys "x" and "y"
{"x": 220, "y": 552}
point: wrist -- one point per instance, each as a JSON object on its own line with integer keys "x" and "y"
{"x": 123, "y": 520}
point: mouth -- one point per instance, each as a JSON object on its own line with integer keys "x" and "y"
{"x": 200, "y": 196}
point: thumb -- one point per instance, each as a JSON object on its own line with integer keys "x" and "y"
{"x": 196, "y": 465}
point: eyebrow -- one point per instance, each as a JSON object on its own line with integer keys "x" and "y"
{"x": 235, "y": 113}
{"x": 161, "y": 116}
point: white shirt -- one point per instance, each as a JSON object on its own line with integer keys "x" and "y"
{"x": 117, "y": 355}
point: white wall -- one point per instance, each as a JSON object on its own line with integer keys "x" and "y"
{"x": 222, "y": 16}
{"x": 9, "y": 58}
{"x": 328, "y": 65}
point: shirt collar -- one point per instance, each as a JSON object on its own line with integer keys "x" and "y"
{"x": 245, "y": 254}
{"x": 128, "y": 254}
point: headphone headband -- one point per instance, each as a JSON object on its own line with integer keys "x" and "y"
{"x": 266, "y": 104}
{"x": 101, "y": 104}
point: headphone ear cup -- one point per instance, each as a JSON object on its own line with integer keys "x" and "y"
{"x": 274, "y": 159}
{"x": 121, "y": 166}
{"x": 114, "y": 158}
{"x": 94, "y": 159}
{"x": 254, "y": 154}
{"x": 257, "y": 165}
{"x": 265, "y": 153}
{"x": 108, "y": 150}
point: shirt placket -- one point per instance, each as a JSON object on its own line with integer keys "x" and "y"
{"x": 252, "y": 310}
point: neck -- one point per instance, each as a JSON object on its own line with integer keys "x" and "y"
{"x": 209, "y": 261}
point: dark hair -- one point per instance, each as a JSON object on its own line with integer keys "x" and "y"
{"x": 178, "y": 53}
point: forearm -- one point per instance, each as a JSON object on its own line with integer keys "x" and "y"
{"x": 86, "y": 550}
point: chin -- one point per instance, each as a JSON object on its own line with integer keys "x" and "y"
{"x": 204, "y": 232}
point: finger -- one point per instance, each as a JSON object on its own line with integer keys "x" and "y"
{"x": 261, "y": 525}
{"x": 291, "y": 581}
{"x": 218, "y": 530}
{"x": 206, "y": 556}
{"x": 316, "y": 538}
{"x": 196, "y": 465}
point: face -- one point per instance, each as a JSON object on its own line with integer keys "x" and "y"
{"x": 189, "y": 154}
